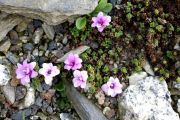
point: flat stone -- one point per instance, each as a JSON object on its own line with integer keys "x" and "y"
{"x": 5, "y": 75}
{"x": 9, "y": 93}
{"x": 8, "y": 23}
{"x": 147, "y": 99}
{"x": 14, "y": 37}
{"x": 53, "y": 12}
{"x": 38, "y": 35}
{"x": 5, "y": 45}
{"x": 49, "y": 30}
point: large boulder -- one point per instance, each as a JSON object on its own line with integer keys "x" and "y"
{"x": 147, "y": 99}
{"x": 51, "y": 11}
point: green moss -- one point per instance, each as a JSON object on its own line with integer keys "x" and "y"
{"x": 106, "y": 69}
{"x": 124, "y": 70}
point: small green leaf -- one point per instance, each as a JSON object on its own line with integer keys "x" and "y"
{"x": 60, "y": 87}
{"x": 107, "y": 8}
{"x": 101, "y": 5}
{"x": 36, "y": 83}
{"x": 81, "y": 22}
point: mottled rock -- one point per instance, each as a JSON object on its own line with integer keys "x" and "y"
{"x": 20, "y": 92}
{"x": 38, "y": 35}
{"x": 9, "y": 93}
{"x": 85, "y": 109}
{"x": 52, "y": 12}
{"x": 8, "y": 23}
{"x": 108, "y": 112}
{"x": 147, "y": 99}
{"x": 100, "y": 97}
{"x": 5, "y": 45}
{"x": 5, "y": 75}
{"x": 49, "y": 30}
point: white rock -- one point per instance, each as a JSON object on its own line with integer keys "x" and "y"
{"x": 9, "y": 93}
{"x": 5, "y": 75}
{"x": 65, "y": 116}
{"x": 178, "y": 105}
{"x": 134, "y": 78}
{"x": 148, "y": 99}
{"x": 29, "y": 98}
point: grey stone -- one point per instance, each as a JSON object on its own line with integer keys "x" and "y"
{"x": 12, "y": 58}
{"x": 52, "y": 12}
{"x": 85, "y": 109}
{"x": 8, "y": 23}
{"x": 38, "y": 35}
{"x": 9, "y": 93}
{"x": 65, "y": 40}
{"x": 38, "y": 101}
{"x": 49, "y": 110}
{"x": 52, "y": 45}
{"x": 21, "y": 114}
{"x": 49, "y": 30}
{"x": 5, "y": 75}
{"x": 14, "y": 37}
{"x": 28, "y": 47}
{"x": 5, "y": 45}
{"x": 20, "y": 92}
{"x": 148, "y": 99}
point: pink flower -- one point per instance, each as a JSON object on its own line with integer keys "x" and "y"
{"x": 49, "y": 71}
{"x": 73, "y": 62}
{"x": 25, "y": 72}
{"x": 112, "y": 87}
{"x": 101, "y": 21}
{"x": 80, "y": 78}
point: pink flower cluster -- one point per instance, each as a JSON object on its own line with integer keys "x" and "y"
{"x": 25, "y": 72}
{"x": 73, "y": 62}
{"x": 101, "y": 21}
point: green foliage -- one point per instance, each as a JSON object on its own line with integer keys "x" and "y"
{"x": 36, "y": 82}
{"x": 118, "y": 34}
{"x": 170, "y": 54}
{"x": 81, "y": 23}
{"x": 129, "y": 16}
{"x": 103, "y": 6}
{"x": 60, "y": 86}
{"x": 124, "y": 70}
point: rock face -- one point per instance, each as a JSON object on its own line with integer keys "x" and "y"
{"x": 51, "y": 11}
{"x": 148, "y": 99}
